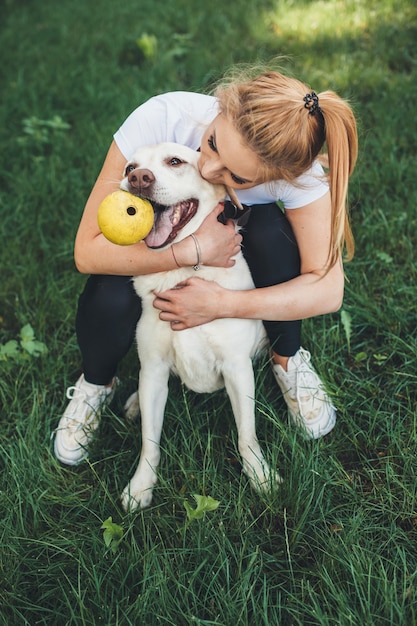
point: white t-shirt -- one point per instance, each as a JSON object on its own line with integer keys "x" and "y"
{"x": 182, "y": 117}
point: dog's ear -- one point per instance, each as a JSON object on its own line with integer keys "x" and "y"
{"x": 233, "y": 197}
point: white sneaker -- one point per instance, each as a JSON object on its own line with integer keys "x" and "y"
{"x": 80, "y": 420}
{"x": 308, "y": 403}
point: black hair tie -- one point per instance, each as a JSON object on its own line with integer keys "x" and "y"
{"x": 311, "y": 102}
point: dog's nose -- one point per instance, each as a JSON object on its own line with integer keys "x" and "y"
{"x": 140, "y": 179}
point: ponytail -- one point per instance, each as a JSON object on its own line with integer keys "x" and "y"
{"x": 288, "y": 127}
{"x": 342, "y": 149}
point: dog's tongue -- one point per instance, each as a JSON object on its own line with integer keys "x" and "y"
{"x": 161, "y": 230}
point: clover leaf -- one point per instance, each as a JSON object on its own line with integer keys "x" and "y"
{"x": 204, "y": 505}
{"x": 29, "y": 343}
{"x": 112, "y": 535}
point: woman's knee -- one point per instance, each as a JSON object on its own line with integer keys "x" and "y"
{"x": 269, "y": 246}
{"x": 110, "y": 297}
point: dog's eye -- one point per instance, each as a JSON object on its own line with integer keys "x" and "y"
{"x": 129, "y": 168}
{"x": 175, "y": 161}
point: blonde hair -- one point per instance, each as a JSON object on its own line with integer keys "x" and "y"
{"x": 269, "y": 112}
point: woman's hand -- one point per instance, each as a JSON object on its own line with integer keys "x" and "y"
{"x": 218, "y": 242}
{"x": 191, "y": 303}
{"x": 197, "y": 301}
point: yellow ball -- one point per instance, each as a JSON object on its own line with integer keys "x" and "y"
{"x": 125, "y": 219}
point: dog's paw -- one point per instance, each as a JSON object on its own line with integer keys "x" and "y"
{"x": 131, "y": 407}
{"x": 273, "y": 481}
{"x": 139, "y": 491}
{"x": 262, "y": 478}
{"x": 264, "y": 481}
{"x": 135, "y": 500}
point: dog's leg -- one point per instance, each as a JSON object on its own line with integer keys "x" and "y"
{"x": 240, "y": 386}
{"x": 153, "y": 392}
{"x": 131, "y": 407}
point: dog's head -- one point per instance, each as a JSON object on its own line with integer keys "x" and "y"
{"x": 167, "y": 174}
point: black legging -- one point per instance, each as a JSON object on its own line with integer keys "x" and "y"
{"x": 109, "y": 309}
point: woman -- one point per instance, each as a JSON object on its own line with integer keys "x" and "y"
{"x": 261, "y": 137}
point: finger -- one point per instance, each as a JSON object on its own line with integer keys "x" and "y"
{"x": 182, "y": 284}
{"x": 219, "y": 208}
{"x": 166, "y": 316}
{"x": 162, "y": 304}
{"x": 177, "y": 325}
{"x": 163, "y": 294}
{"x": 160, "y": 295}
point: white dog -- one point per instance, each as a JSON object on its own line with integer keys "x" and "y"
{"x": 208, "y": 357}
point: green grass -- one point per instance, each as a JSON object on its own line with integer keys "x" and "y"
{"x": 336, "y": 545}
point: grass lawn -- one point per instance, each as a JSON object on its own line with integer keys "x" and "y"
{"x": 336, "y": 545}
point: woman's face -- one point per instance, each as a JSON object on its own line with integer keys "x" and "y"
{"x": 224, "y": 158}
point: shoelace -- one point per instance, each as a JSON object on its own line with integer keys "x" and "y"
{"x": 307, "y": 378}
{"x": 77, "y": 394}
{"x": 70, "y": 395}
{"x": 307, "y": 381}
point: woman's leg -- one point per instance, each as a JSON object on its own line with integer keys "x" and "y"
{"x": 108, "y": 311}
{"x": 271, "y": 252}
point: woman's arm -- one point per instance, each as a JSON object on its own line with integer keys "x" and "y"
{"x": 94, "y": 254}
{"x": 314, "y": 292}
